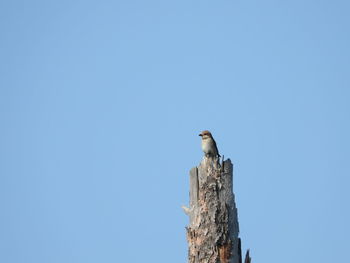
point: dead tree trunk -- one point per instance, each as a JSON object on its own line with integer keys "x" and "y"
{"x": 212, "y": 234}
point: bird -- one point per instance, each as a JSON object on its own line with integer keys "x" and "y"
{"x": 209, "y": 145}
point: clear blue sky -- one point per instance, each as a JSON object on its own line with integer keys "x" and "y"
{"x": 101, "y": 103}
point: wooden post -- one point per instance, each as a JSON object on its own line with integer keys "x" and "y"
{"x": 212, "y": 234}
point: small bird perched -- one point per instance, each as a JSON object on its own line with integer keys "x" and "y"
{"x": 209, "y": 145}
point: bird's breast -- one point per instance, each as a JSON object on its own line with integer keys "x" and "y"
{"x": 207, "y": 145}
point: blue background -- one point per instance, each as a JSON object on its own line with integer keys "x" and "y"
{"x": 101, "y": 104}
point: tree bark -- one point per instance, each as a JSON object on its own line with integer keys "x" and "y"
{"x": 212, "y": 233}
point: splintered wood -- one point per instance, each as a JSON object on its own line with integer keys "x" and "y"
{"x": 213, "y": 230}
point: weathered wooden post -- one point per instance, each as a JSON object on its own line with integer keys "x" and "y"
{"x": 212, "y": 234}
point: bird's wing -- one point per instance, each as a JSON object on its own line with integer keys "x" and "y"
{"x": 216, "y": 148}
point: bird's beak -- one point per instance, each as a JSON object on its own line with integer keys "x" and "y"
{"x": 200, "y": 135}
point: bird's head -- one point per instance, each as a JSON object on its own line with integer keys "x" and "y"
{"x": 205, "y": 134}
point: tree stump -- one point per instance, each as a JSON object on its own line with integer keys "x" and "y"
{"x": 212, "y": 233}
